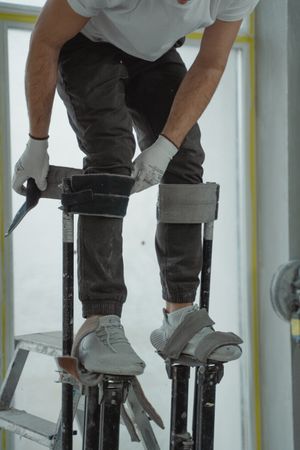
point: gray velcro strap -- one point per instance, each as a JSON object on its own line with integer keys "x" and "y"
{"x": 97, "y": 194}
{"x": 191, "y": 324}
{"x": 188, "y": 203}
{"x": 136, "y": 394}
{"x": 100, "y": 205}
{"x": 103, "y": 183}
{"x": 212, "y": 341}
{"x": 141, "y": 412}
{"x": 129, "y": 425}
{"x": 76, "y": 198}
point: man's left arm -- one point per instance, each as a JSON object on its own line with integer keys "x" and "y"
{"x": 191, "y": 100}
{"x": 201, "y": 81}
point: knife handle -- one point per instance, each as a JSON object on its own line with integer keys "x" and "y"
{"x": 33, "y": 194}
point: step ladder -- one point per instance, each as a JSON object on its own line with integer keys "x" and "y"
{"x": 37, "y": 429}
{"x": 45, "y": 432}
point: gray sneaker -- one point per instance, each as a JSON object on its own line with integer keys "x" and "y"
{"x": 171, "y": 321}
{"x": 107, "y": 350}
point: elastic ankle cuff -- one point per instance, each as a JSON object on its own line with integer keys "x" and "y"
{"x": 103, "y": 308}
{"x": 179, "y": 296}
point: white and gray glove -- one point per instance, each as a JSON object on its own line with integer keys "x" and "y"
{"x": 150, "y": 166}
{"x": 34, "y": 163}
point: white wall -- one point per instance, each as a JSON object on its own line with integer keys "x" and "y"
{"x": 277, "y": 43}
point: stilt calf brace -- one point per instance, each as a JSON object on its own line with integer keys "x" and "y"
{"x": 93, "y": 194}
{"x": 187, "y": 203}
{"x": 97, "y": 194}
{"x": 192, "y": 204}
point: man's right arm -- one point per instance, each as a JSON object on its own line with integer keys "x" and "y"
{"x": 57, "y": 24}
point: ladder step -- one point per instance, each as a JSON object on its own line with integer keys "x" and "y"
{"x": 27, "y": 425}
{"x": 49, "y": 343}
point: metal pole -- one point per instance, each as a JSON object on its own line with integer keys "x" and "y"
{"x": 198, "y": 402}
{"x": 67, "y": 338}
{"x": 92, "y": 419}
{"x": 114, "y": 394}
{"x": 206, "y": 266}
{"x": 179, "y": 406}
{"x": 204, "y": 393}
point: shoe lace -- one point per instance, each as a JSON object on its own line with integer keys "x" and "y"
{"x": 111, "y": 335}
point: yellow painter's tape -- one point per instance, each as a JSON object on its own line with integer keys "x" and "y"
{"x": 21, "y": 18}
{"x": 295, "y": 327}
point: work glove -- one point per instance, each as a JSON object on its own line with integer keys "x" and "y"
{"x": 34, "y": 163}
{"x": 150, "y": 166}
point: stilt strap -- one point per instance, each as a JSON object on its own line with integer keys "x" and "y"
{"x": 103, "y": 183}
{"x": 97, "y": 195}
{"x": 213, "y": 341}
{"x": 188, "y": 203}
{"x": 90, "y": 204}
{"x": 127, "y": 421}
{"x": 192, "y": 324}
{"x": 141, "y": 398}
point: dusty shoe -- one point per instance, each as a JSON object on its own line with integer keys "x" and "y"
{"x": 200, "y": 347}
{"x": 107, "y": 350}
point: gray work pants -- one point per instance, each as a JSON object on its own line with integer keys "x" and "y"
{"x": 106, "y": 93}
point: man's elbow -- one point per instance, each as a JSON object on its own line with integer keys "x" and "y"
{"x": 215, "y": 65}
{"x": 41, "y": 43}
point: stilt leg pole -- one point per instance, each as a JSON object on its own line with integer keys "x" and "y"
{"x": 92, "y": 419}
{"x": 179, "y": 436}
{"x": 206, "y": 266}
{"x": 198, "y": 405}
{"x": 206, "y": 375}
{"x": 68, "y": 282}
{"x": 115, "y": 390}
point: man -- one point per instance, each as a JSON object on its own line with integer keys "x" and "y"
{"x": 115, "y": 64}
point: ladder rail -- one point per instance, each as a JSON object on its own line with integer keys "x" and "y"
{"x": 12, "y": 377}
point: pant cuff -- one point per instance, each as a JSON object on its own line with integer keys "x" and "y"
{"x": 103, "y": 308}
{"x": 179, "y": 296}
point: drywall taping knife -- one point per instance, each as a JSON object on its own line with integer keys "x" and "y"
{"x": 33, "y": 194}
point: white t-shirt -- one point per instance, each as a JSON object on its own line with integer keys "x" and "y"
{"x": 148, "y": 28}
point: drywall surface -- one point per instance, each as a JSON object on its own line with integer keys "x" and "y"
{"x": 278, "y": 137}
